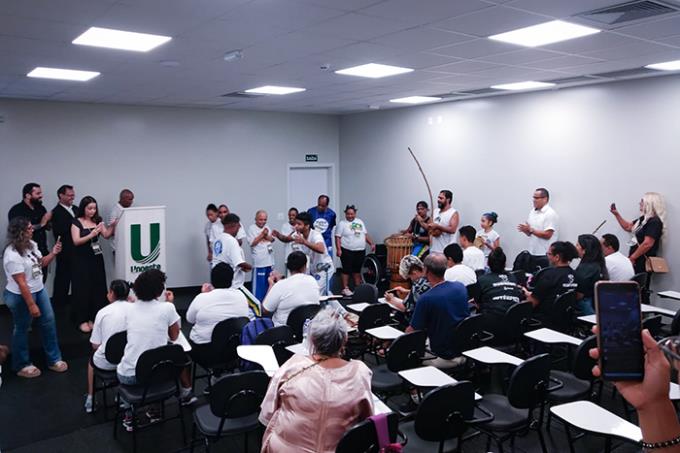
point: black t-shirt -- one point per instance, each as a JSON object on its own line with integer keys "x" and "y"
{"x": 587, "y": 274}
{"x": 549, "y": 283}
{"x": 498, "y": 292}
{"x": 34, "y": 216}
{"x": 653, "y": 228}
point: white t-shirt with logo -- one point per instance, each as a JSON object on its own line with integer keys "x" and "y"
{"x": 489, "y": 239}
{"x": 543, "y": 219}
{"x": 287, "y": 229}
{"x": 212, "y": 230}
{"x": 619, "y": 267}
{"x": 315, "y": 260}
{"x": 227, "y": 250}
{"x": 352, "y": 234}
{"x": 438, "y": 243}
{"x": 108, "y": 321}
{"x": 474, "y": 258}
{"x": 460, "y": 273}
{"x": 263, "y": 252}
{"x": 28, "y": 264}
{"x": 208, "y": 309}
{"x": 147, "y": 328}
{"x": 291, "y": 292}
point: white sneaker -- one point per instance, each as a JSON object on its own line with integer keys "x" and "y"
{"x": 347, "y": 292}
{"x": 89, "y": 404}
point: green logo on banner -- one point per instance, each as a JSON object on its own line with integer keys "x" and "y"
{"x": 154, "y": 241}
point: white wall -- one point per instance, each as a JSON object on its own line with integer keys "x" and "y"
{"x": 589, "y": 146}
{"x": 181, "y": 158}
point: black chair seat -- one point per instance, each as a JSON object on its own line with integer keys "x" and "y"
{"x": 573, "y": 389}
{"x": 506, "y": 417}
{"x": 415, "y": 443}
{"x": 134, "y": 394}
{"x": 384, "y": 380}
{"x": 108, "y": 377}
{"x": 209, "y": 424}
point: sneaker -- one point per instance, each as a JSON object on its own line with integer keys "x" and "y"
{"x": 127, "y": 422}
{"x": 347, "y": 292}
{"x": 89, "y": 404}
{"x": 153, "y": 414}
{"x": 187, "y": 399}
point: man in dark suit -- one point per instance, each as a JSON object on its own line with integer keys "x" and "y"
{"x": 31, "y": 208}
{"x": 62, "y": 218}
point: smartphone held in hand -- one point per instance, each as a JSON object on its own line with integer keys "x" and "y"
{"x": 619, "y": 339}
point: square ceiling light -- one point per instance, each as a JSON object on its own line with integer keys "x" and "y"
{"x": 62, "y": 74}
{"x": 517, "y": 86}
{"x": 374, "y": 70}
{"x": 665, "y": 66}
{"x": 273, "y": 89}
{"x": 545, "y": 33}
{"x": 119, "y": 39}
{"x": 415, "y": 100}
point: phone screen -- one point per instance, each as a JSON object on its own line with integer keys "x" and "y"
{"x": 620, "y": 323}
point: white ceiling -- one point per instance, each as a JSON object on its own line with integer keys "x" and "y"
{"x": 287, "y": 41}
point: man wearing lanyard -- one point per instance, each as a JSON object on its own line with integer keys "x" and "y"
{"x": 31, "y": 208}
{"x": 541, "y": 227}
{"x": 323, "y": 221}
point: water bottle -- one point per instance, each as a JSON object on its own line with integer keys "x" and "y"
{"x": 305, "y": 332}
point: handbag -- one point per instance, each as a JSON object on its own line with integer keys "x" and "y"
{"x": 656, "y": 265}
{"x": 381, "y": 429}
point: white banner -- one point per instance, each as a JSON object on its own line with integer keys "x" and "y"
{"x": 140, "y": 241}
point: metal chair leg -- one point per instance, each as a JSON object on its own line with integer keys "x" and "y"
{"x": 542, "y": 440}
{"x": 134, "y": 428}
{"x": 569, "y": 438}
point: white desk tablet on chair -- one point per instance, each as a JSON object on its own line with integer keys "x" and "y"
{"x": 549, "y": 336}
{"x": 297, "y": 348}
{"x": 379, "y": 407}
{"x": 385, "y": 333}
{"x": 492, "y": 356}
{"x": 592, "y": 319}
{"x": 429, "y": 376}
{"x": 358, "y": 308}
{"x": 261, "y": 354}
{"x": 590, "y": 417}
{"x": 669, "y": 295}
{"x": 646, "y": 308}
{"x": 182, "y": 341}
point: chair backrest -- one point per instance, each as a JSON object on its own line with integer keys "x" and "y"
{"x": 443, "y": 412}
{"x": 363, "y": 438}
{"x": 375, "y": 315}
{"x": 474, "y": 291}
{"x": 406, "y": 351}
{"x": 518, "y": 276}
{"x": 115, "y": 347}
{"x": 298, "y": 316}
{"x": 365, "y": 293}
{"x": 563, "y": 311}
{"x": 641, "y": 280}
{"x": 467, "y": 333}
{"x": 516, "y": 320}
{"x": 675, "y": 324}
{"x": 226, "y": 336}
{"x": 529, "y": 382}
{"x": 583, "y": 363}
{"x": 653, "y": 324}
{"x": 523, "y": 262}
{"x": 238, "y": 394}
{"x": 278, "y": 338}
{"x": 160, "y": 365}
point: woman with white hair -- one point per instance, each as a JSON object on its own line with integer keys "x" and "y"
{"x": 411, "y": 268}
{"x": 313, "y": 399}
{"x": 648, "y": 229}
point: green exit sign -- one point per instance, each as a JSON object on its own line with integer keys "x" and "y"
{"x": 311, "y": 157}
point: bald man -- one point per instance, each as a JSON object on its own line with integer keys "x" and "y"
{"x": 125, "y": 199}
{"x": 260, "y": 240}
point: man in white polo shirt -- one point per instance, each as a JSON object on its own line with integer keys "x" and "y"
{"x": 444, "y": 222}
{"x": 541, "y": 227}
{"x": 619, "y": 267}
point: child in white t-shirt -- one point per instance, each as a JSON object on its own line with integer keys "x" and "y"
{"x": 490, "y": 239}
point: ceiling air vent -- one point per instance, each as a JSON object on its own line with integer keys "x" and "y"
{"x": 241, "y": 95}
{"x": 627, "y": 12}
{"x": 575, "y": 79}
{"x": 625, "y": 73}
{"x": 477, "y": 92}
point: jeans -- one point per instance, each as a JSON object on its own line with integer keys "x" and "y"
{"x": 22, "y": 322}
{"x": 584, "y": 307}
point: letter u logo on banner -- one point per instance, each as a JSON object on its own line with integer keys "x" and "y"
{"x": 154, "y": 243}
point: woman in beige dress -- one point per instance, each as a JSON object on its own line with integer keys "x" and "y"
{"x": 312, "y": 400}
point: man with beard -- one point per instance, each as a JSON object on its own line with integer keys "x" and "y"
{"x": 323, "y": 220}
{"x": 31, "y": 208}
{"x": 62, "y": 219}
{"x": 444, "y": 224}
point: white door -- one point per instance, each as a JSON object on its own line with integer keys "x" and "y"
{"x": 306, "y": 183}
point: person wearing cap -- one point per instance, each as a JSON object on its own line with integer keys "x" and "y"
{"x": 411, "y": 268}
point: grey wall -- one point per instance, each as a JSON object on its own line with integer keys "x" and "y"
{"x": 590, "y": 146}
{"x": 181, "y": 158}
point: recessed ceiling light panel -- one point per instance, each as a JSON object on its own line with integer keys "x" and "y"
{"x": 277, "y": 90}
{"x": 374, "y": 70}
{"x": 415, "y": 100}
{"x": 528, "y": 85}
{"x": 665, "y": 66}
{"x": 62, "y": 74}
{"x": 545, "y": 33}
{"x": 119, "y": 39}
